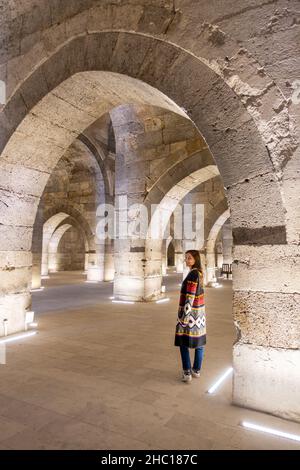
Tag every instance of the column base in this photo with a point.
(137, 289)
(267, 379)
(13, 308)
(94, 274)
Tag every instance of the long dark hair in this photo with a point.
(196, 255)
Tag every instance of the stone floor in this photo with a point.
(107, 376)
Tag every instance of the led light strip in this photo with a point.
(122, 302)
(221, 379)
(17, 337)
(274, 432)
(163, 300)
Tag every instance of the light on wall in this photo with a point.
(220, 380)
(274, 432)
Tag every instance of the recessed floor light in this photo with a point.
(274, 432)
(160, 301)
(17, 337)
(220, 380)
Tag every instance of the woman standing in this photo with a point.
(191, 324)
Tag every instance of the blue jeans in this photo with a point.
(185, 356)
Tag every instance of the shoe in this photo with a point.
(196, 373)
(186, 377)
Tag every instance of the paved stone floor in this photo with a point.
(107, 376)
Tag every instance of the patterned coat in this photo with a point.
(191, 326)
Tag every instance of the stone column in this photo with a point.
(15, 284)
(266, 306)
(86, 262)
(37, 247)
(219, 252)
(109, 261)
(95, 269)
(164, 258)
(210, 267)
(227, 243)
(36, 282)
(179, 256)
(137, 275)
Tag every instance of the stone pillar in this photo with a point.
(109, 262)
(219, 254)
(163, 266)
(179, 256)
(36, 282)
(227, 243)
(210, 267)
(219, 260)
(203, 266)
(36, 248)
(15, 283)
(137, 275)
(86, 262)
(266, 306)
(179, 261)
(164, 258)
(95, 269)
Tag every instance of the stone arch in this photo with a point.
(239, 150)
(69, 210)
(53, 248)
(99, 157)
(49, 228)
(227, 133)
(51, 219)
(53, 244)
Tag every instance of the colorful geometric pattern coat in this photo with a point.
(191, 325)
